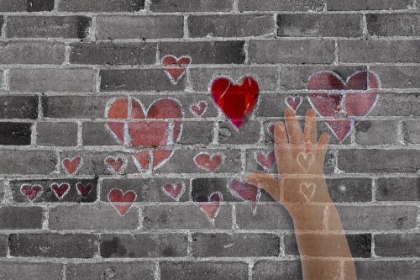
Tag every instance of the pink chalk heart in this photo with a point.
(72, 165)
(122, 202)
(245, 191)
(265, 160)
(61, 190)
(293, 102)
(199, 108)
(346, 102)
(117, 164)
(208, 162)
(31, 192)
(83, 190)
(235, 100)
(175, 67)
(211, 207)
(157, 130)
(174, 190)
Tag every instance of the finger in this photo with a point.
(310, 127)
(280, 137)
(294, 131)
(266, 182)
(322, 145)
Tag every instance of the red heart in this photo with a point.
(174, 190)
(207, 162)
(245, 191)
(175, 67)
(121, 201)
(31, 192)
(211, 207)
(61, 190)
(293, 102)
(84, 190)
(347, 102)
(144, 130)
(265, 160)
(117, 164)
(235, 100)
(199, 108)
(72, 165)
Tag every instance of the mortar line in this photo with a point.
(3, 29)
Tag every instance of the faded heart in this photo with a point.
(209, 162)
(121, 201)
(174, 190)
(83, 190)
(212, 205)
(116, 165)
(199, 108)
(265, 160)
(245, 191)
(293, 102)
(175, 67)
(31, 192)
(72, 165)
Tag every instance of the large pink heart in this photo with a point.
(346, 102)
(157, 129)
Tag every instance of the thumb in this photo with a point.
(265, 181)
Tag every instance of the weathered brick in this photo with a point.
(47, 194)
(357, 5)
(267, 269)
(148, 190)
(27, 162)
(1, 190)
(235, 245)
(376, 132)
(249, 133)
(26, 5)
(273, 5)
(100, 5)
(377, 217)
(97, 217)
(143, 27)
(1, 23)
(56, 134)
(394, 104)
(378, 161)
(230, 25)
(191, 6)
(157, 217)
(397, 245)
(3, 245)
(27, 52)
(401, 24)
(350, 189)
(48, 26)
(392, 76)
(52, 80)
(138, 80)
(53, 245)
(291, 51)
(19, 107)
(13, 270)
(20, 217)
(197, 133)
(113, 54)
(74, 106)
(203, 270)
(265, 217)
(386, 270)
(132, 270)
(412, 132)
(15, 133)
(143, 245)
(97, 134)
(319, 25)
(369, 51)
(398, 189)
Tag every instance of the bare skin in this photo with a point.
(303, 191)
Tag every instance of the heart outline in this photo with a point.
(68, 166)
(201, 110)
(293, 106)
(304, 162)
(177, 195)
(269, 157)
(56, 189)
(37, 194)
(308, 186)
(82, 193)
(210, 158)
(121, 168)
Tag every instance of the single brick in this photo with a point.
(203, 270)
(27, 162)
(397, 245)
(377, 217)
(357, 5)
(309, 51)
(404, 77)
(197, 133)
(249, 133)
(157, 217)
(138, 80)
(97, 217)
(274, 5)
(18, 107)
(148, 190)
(27, 52)
(100, 5)
(48, 26)
(206, 52)
(412, 132)
(15, 133)
(398, 189)
(350, 189)
(401, 24)
(53, 245)
(378, 161)
(203, 187)
(13, 270)
(143, 245)
(85, 193)
(230, 25)
(113, 54)
(191, 6)
(20, 217)
(52, 80)
(319, 25)
(394, 104)
(269, 216)
(90, 107)
(3, 245)
(132, 270)
(235, 245)
(376, 132)
(97, 134)
(56, 134)
(387, 270)
(143, 27)
(26, 5)
(268, 269)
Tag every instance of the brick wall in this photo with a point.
(86, 193)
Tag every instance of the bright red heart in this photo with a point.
(175, 67)
(235, 100)
(199, 108)
(211, 207)
(72, 165)
(61, 190)
(161, 126)
(31, 192)
(347, 102)
(265, 160)
(293, 102)
(121, 201)
(207, 162)
(116, 165)
(174, 190)
(245, 191)
(83, 190)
